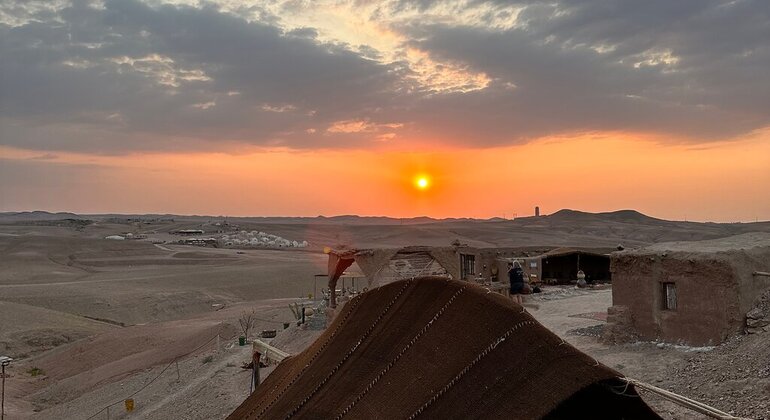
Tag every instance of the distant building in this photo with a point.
(129, 235)
(199, 241)
(537, 211)
(189, 232)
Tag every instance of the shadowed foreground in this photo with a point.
(436, 348)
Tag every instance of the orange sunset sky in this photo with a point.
(325, 108)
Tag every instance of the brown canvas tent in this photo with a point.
(437, 348)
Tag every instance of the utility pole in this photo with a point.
(4, 361)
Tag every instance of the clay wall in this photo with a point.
(526, 264)
(707, 309)
(372, 261)
(486, 260)
(750, 285)
(449, 259)
(498, 258)
(533, 268)
(383, 266)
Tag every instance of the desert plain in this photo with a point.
(91, 321)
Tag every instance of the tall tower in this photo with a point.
(537, 211)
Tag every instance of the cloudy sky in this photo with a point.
(291, 107)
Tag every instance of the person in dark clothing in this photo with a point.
(516, 277)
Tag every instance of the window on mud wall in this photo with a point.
(669, 296)
(468, 263)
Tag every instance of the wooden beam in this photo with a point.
(269, 352)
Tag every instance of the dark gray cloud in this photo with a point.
(127, 76)
(692, 68)
(143, 72)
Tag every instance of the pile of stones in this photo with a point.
(758, 318)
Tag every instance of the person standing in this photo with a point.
(516, 277)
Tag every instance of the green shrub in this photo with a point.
(35, 371)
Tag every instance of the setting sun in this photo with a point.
(422, 183)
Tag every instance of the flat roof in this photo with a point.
(730, 243)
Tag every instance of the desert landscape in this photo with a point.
(328, 209)
(91, 321)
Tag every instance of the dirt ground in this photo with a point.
(88, 313)
(213, 388)
(91, 321)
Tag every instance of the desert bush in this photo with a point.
(296, 310)
(247, 321)
(35, 371)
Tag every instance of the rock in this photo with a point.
(755, 313)
(757, 323)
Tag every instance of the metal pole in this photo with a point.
(2, 404)
(4, 361)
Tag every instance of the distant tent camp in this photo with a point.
(440, 349)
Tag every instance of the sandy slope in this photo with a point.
(84, 376)
(132, 282)
(26, 330)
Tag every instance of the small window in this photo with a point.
(669, 296)
(468, 263)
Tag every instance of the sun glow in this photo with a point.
(422, 182)
(668, 180)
